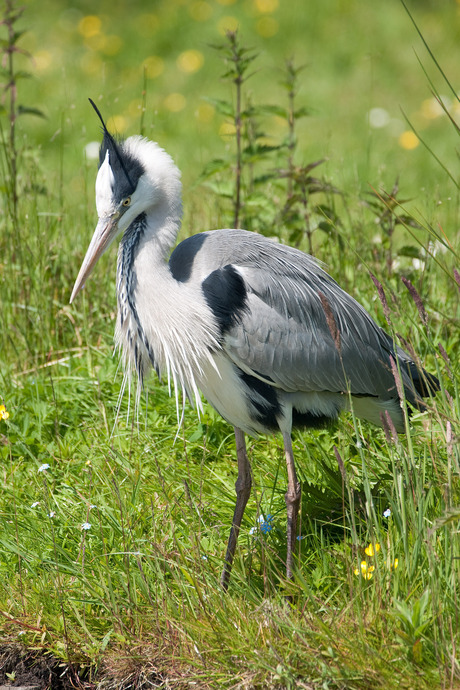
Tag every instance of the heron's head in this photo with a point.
(135, 175)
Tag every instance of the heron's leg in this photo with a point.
(243, 490)
(292, 498)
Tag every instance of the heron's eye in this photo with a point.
(127, 201)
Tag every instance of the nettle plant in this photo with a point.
(10, 108)
(260, 183)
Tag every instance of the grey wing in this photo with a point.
(303, 333)
(284, 320)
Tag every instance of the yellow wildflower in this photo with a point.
(372, 550)
(3, 412)
(365, 570)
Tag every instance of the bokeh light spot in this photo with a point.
(135, 107)
(378, 118)
(190, 61)
(432, 108)
(153, 66)
(227, 131)
(231, 2)
(266, 27)
(266, 6)
(205, 112)
(200, 11)
(175, 102)
(89, 25)
(92, 150)
(147, 24)
(112, 45)
(227, 24)
(96, 41)
(42, 60)
(408, 140)
(117, 124)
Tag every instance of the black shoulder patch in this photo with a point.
(225, 293)
(182, 258)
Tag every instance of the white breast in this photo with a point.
(171, 329)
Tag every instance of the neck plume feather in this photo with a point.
(162, 323)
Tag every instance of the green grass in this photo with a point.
(137, 594)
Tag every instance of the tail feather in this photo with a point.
(425, 384)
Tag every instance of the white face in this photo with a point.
(105, 182)
(125, 211)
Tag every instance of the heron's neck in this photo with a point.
(142, 273)
(156, 231)
(161, 321)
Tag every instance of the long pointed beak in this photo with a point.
(105, 233)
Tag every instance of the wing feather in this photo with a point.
(295, 328)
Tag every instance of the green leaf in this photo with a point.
(255, 152)
(24, 110)
(223, 189)
(213, 167)
(450, 516)
(222, 107)
(17, 35)
(273, 110)
(198, 433)
(21, 74)
(259, 200)
(325, 227)
(410, 251)
(301, 112)
(265, 177)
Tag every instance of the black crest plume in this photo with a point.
(112, 144)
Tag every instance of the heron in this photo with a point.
(258, 327)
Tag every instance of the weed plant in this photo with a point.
(113, 532)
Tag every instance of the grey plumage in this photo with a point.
(277, 329)
(260, 328)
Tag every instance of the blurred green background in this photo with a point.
(361, 71)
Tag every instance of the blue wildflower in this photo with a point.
(266, 525)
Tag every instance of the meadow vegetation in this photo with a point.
(329, 125)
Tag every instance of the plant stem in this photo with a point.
(11, 16)
(291, 73)
(238, 81)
